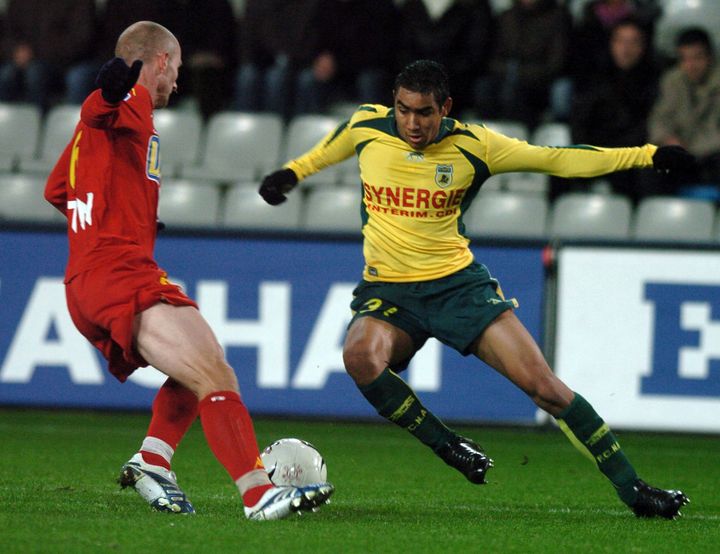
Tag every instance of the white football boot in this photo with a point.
(280, 502)
(157, 485)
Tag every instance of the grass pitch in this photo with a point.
(57, 493)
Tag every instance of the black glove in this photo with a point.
(276, 185)
(116, 79)
(673, 159)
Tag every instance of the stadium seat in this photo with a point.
(349, 171)
(513, 129)
(577, 8)
(245, 208)
(528, 183)
(304, 132)
(179, 133)
(680, 14)
(57, 130)
(552, 134)
(671, 219)
(19, 132)
(239, 146)
(238, 7)
(495, 183)
(333, 209)
(187, 204)
(507, 214)
(499, 6)
(343, 110)
(23, 200)
(591, 216)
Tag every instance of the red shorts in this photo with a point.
(103, 303)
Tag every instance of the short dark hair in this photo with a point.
(695, 36)
(425, 76)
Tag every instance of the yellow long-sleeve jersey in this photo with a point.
(413, 201)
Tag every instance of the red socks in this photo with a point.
(230, 435)
(174, 410)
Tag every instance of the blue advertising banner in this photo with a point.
(279, 307)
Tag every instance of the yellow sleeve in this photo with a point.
(334, 147)
(506, 154)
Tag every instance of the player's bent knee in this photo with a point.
(362, 365)
(213, 376)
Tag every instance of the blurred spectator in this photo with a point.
(456, 33)
(273, 39)
(687, 112)
(591, 34)
(47, 48)
(206, 31)
(118, 15)
(613, 111)
(351, 47)
(529, 54)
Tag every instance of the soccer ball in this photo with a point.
(294, 462)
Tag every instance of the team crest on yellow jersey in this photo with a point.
(443, 175)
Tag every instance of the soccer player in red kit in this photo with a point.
(107, 182)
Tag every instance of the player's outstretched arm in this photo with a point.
(101, 110)
(275, 186)
(115, 79)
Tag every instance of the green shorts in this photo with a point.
(455, 309)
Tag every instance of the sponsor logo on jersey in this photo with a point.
(412, 202)
(443, 175)
(415, 157)
(153, 159)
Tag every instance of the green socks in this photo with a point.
(395, 400)
(591, 435)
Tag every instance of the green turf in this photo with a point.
(57, 493)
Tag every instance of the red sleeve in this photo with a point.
(97, 113)
(56, 185)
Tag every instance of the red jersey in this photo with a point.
(107, 182)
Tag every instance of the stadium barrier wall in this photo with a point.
(279, 307)
(638, 331)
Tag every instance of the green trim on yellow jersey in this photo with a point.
(481, 174)
(383, 124)
(413, 202)
(340, 128)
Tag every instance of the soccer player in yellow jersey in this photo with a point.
(420, 171)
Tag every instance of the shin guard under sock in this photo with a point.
(229, 432)
(592, 436)
(174, 410)
(395, 401)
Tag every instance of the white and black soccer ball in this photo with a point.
(294, 462)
